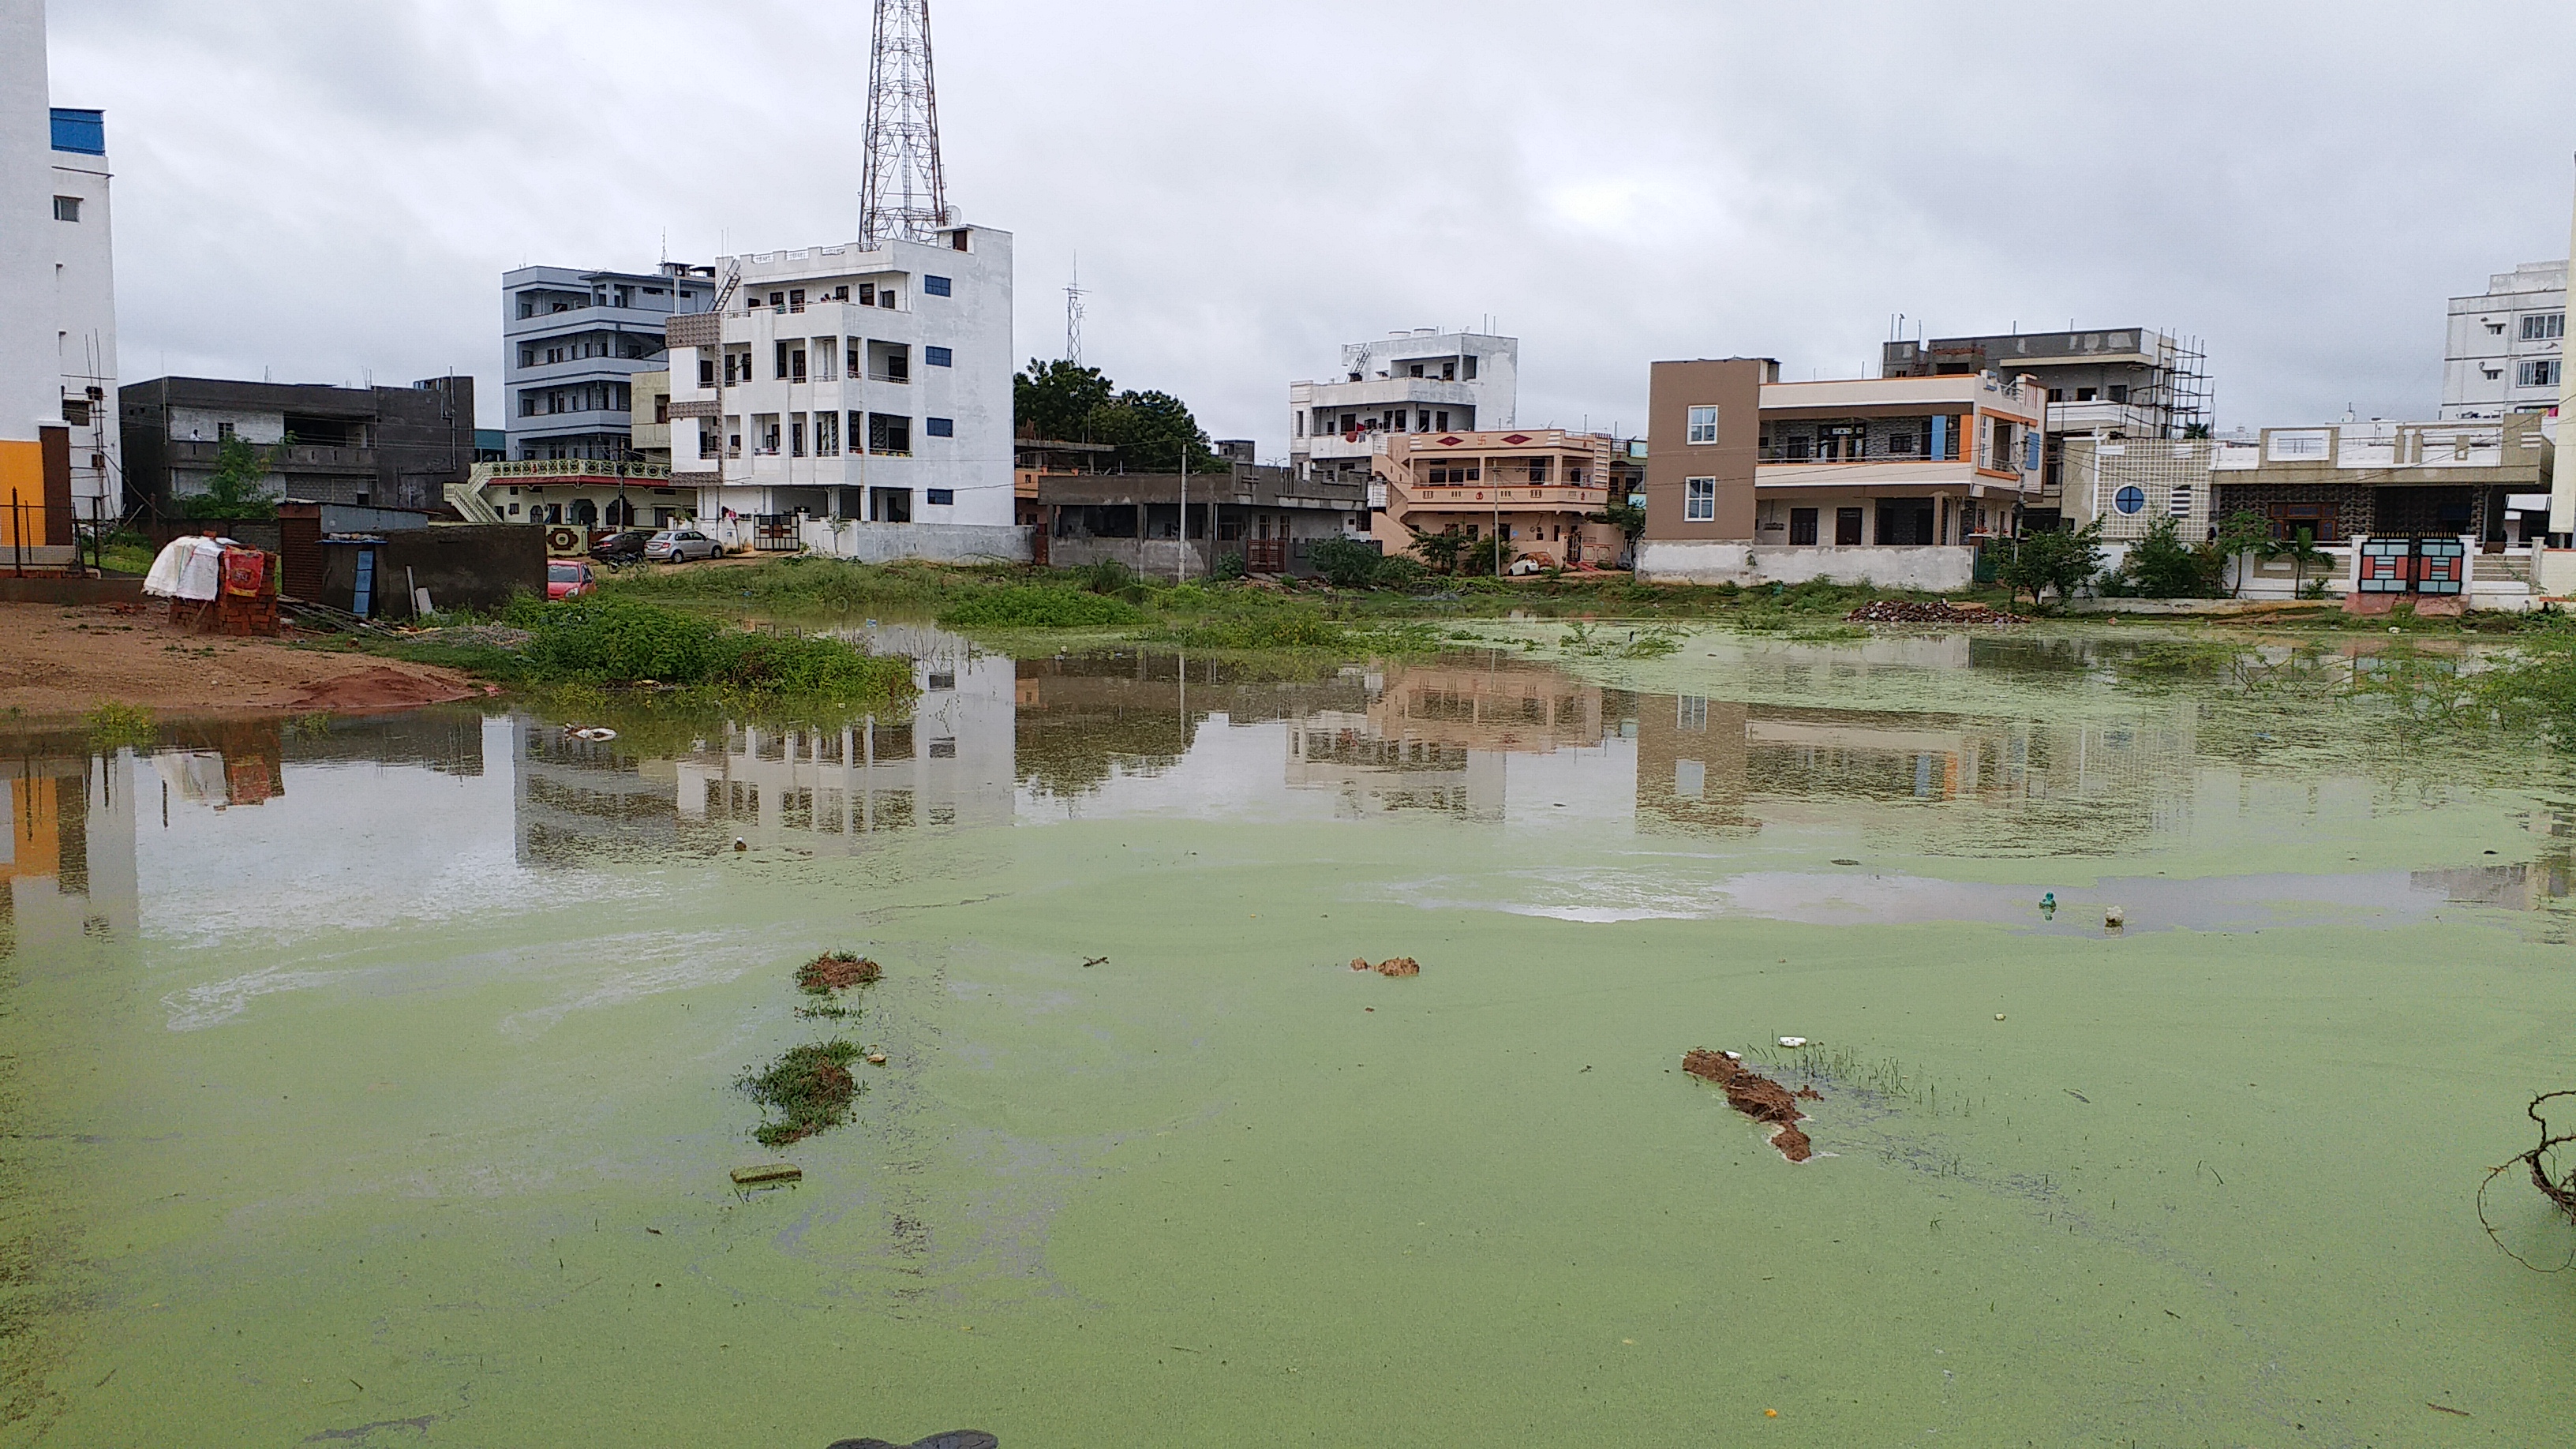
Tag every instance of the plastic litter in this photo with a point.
(767, 1172)
(1793, 1041)
(2113, 918)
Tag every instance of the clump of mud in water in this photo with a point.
(1397, 966)
(1757, 1097)
(809, 1087)
(836, 971)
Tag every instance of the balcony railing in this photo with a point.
(1878, 451)
(578, 468)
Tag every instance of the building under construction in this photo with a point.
(2112, 383)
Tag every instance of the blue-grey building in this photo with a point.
(571, 340)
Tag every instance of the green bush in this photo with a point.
(596, 640)
(1034, 606)
(1345, 563)
(1287, 627)
(2162, 566)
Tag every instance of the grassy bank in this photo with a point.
(617, 642)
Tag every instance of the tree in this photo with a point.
(1152, 431)
(2060, 560)
(237, 488)
(1055, 400)
(2241, 533)
(2162, 566)
(1490, 555)
(1439, 551)
(1345, 563)
(1626, 517)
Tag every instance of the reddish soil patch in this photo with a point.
(1757, 1097)
(836, 971)
(381, 687)
(59, 663)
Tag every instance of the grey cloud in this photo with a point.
(331, 187)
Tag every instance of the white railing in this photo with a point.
(575, 468)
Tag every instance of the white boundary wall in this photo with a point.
(937, 542)
(1930, 567)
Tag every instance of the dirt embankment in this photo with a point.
(1756, 1096)
(59, 663)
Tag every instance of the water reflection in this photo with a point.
(1483, 737)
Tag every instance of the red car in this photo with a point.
(568, 577)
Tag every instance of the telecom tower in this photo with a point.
(905, 194)
(1073, 310)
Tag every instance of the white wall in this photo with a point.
(886, 542)
(28, 377)
(85, 309)
(1930, 567)
(205, 425)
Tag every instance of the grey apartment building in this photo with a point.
(571, 344)
(389, 447)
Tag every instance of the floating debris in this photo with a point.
(1928, 611)
(772, 1172)
(1793, 1041)
(1399, 966)
(2113, 918)
(1757, 1097)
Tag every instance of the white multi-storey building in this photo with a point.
(853, 400)
(85, 309)
(1423, 381)
(2506, 344)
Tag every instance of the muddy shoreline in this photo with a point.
(59, 663)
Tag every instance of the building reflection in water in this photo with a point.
(68, 865)
(1474, 737)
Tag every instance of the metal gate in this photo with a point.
(775, 533)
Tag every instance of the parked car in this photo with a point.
(626, 547)
(567, 577)
(679, 545)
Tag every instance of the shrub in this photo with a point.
(810, 1087)
(1037, 606)
(596, 640)
(2162, 566)
(1346, 563)
(1289, 627)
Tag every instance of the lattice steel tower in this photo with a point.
(905, 194)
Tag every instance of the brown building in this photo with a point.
(1703, 438)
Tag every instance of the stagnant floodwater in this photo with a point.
(371, 1082)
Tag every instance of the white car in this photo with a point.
(679, 545)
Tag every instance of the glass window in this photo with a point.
(1703, 429)
(940, 427)
(935, 286)
(67, 208)
(2539, 327)
(942, 497)
(1699, 502)
(938, 357)
(2542, 373)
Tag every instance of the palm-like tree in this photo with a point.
(2300, 548)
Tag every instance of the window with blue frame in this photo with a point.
(940, 427)
(935, 286)
(938, 357)
(942, 497)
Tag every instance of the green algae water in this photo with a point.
(374, 1083)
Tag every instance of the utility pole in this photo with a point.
(1181, 570)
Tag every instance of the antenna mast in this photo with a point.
(1073, 296)
(905, 194)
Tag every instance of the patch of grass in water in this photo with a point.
(1036, 606)
(809, 1087)
(113, 726)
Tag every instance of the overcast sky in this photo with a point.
(328, 188)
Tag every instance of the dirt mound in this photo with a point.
(1757, 1097)
(382, 687)
(836, 971)
(1928, 611)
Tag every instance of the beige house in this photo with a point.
(1536, 488)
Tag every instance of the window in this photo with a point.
(1440, 421)
(662, 407)
(827, 351)
(778, 369)
(2087, 394)
(2540, 373)
(67, 208)
(1802, 525)
(2496, 328)
(2179, 504)
(1699, 501)
(867, 294)
(1690, 712)
(1471, 369)
(827, 435)
(1847, 527)
(2057, 394)
(940, 427)
(796, 436)
(796, 365)
(2119, 392)
(938, 357)
(935, 286)
(942, 497)
(1703, 429)
(2539, 327)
